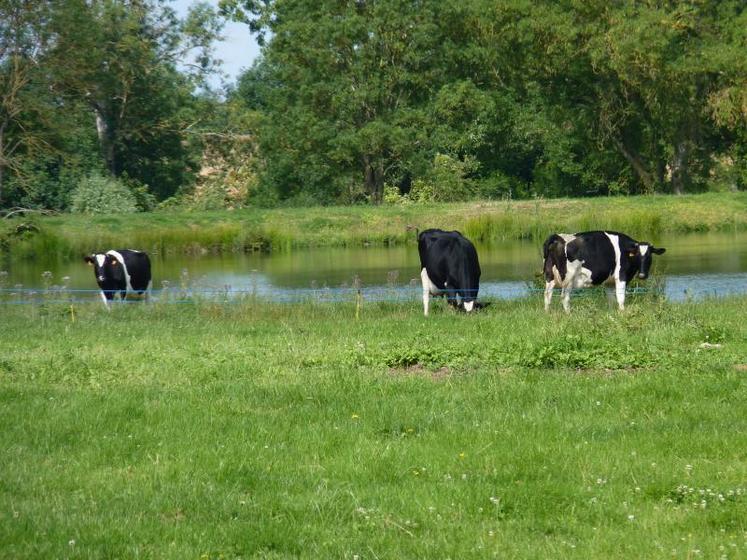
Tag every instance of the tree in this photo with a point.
(348, 83)
(658, 65)
(22, 39)
(119, 58)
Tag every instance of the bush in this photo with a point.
(393, 196)
(422, 191)
(449, 177)
(97, 194)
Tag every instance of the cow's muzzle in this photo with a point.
(101, 278)
(642, 276)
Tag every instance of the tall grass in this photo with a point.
(285, 229)
(278, 431)
(545, 219)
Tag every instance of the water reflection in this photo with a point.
(694, 266)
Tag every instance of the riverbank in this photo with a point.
(255, 430)
(68, 236)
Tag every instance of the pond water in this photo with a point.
(694, 265)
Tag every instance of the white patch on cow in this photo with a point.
(576, 276)
(119, 257)
(567, 237)
(106, 301)
(556, 275)
(615, 240)
(468, 306)
(428, 288)
(100, 259)
(644, 249)
(619, 284)
(428, 284)
(585, 278)
(548, 291)
(582, 278)
(620, 294)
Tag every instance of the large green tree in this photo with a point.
(655, 71)
(119, 58)
(100, 85)
(22, 42)
(347, 85)
(527, 97)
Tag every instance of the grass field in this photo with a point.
(69, 236)
(298, 431)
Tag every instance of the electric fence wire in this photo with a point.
(229, 295)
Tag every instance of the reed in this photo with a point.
(285, 229)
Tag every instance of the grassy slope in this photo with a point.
(281, 229)
(297, 431)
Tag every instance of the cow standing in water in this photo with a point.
(449, 265)
(591, 258)
(123, 271)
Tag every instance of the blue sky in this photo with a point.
(237, 50)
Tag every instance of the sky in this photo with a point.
(237, 50)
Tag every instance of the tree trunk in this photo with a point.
(373, 179)
(105, 133)
(645, 176)
(680, 175)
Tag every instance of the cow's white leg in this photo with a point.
(469, 306)
(566, 295)
(620, 294)
(426, 290)
(106, 301)
(572, 268)
(548, 293)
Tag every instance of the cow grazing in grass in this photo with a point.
(449, 266)
(123, 271)
(591, 258)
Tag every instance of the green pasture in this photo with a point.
(288, 228)
(257, 430)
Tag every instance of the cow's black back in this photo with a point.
(451, 261)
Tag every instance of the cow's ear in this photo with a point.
(113, 260)
(658, 251)
(88, 259)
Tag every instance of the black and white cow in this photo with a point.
(123, 271)
(591, 258)
(449, 266)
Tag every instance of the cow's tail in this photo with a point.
(552, 250)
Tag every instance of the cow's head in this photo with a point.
(107, 268)
(643, 254)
